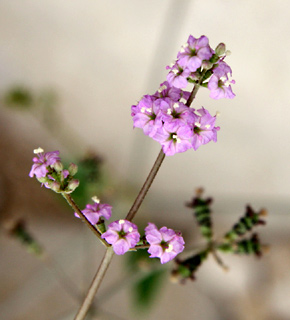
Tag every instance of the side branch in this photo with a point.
(71, 202)
(146, 186)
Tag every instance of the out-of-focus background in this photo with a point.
(75, 68)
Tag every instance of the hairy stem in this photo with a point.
(140, 197)
(71, 202)
(83, 310)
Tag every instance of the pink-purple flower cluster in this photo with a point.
(174, 125)
(165, 243)
(48, 170)
(197, 57)
(165, 117)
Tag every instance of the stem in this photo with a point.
(140, 197)
(83, 310)
(195, 89)
(71, 202)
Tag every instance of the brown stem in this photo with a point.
(83, 310)
(140, 197)
(71, 202)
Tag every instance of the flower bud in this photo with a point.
(72, 185)
(73, 169)
(55, 186)
(58, 166)
(220, 49)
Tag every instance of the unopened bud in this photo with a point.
(207, 64)
(73, 169)
(55, 186)
(220, 49)
(58, 166)
(72, 185)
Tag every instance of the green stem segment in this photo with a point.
(71, 202)
(83, 310)
(137, 203)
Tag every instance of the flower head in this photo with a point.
(122, 235)
(194, 52)
(94, 212)
(165, 243)
(42, 162)
(220, 83)
(204, 130)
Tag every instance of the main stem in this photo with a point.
(83, 310)
(137, 203)
(131, 214)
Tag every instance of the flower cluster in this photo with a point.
(166, 115)
(48, 170)
(165, 243)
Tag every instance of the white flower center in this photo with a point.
(169, 111)
(207, 126)
(130, 229)
(38, 150)
(197, 124)
(176, 105)
(96, 199)
(121, 221)
(174, 136)
(170, 248)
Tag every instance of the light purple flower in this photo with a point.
(220, 83)
(177, 76)
(168, 91)
(204, 130)
(175, 114)
(42, 162)
(122, 235)
(146, 115)
(94, 212)
(165, 243)
(194, 52)
(175, 139)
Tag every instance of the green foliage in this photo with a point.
(234, 241)
(150, 277)
(18, 230)
(202, 213)
(18, 97)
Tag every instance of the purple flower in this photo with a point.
(42, 162)
(94, 212)
(220, 84)
(165, 243)
(122, 235)
(204, 130)
(167, 91)
(194, 52)
(176, 114)
(177, 77)
(146, 115)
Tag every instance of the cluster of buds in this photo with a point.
(166, 115)
(49, 171)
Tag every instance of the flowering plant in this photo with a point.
(168, 118)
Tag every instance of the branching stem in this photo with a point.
(75, 207)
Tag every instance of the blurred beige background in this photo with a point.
(100, 57)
